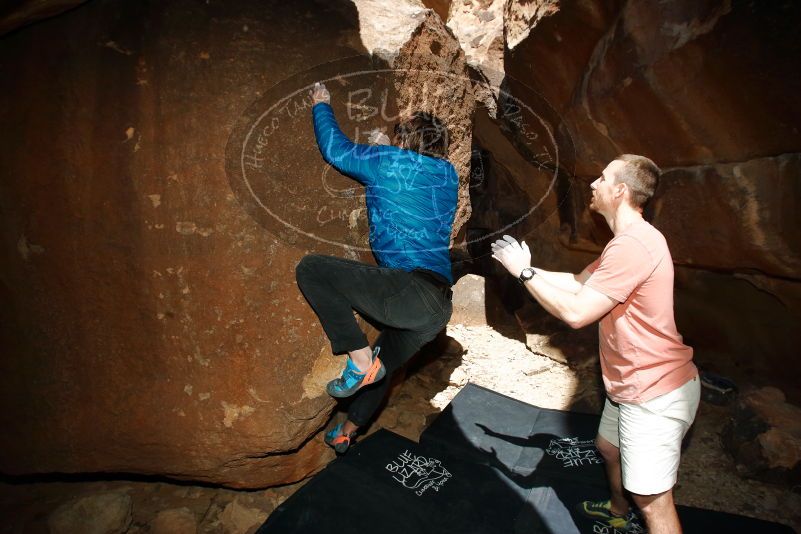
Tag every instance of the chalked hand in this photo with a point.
(377, 137)
(320, 94)
(511, 254)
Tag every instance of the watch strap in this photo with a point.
(526, 274)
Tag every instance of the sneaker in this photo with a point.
(352, 379)
(602, 511)
(336, 439)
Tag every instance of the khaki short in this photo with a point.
(649, 436)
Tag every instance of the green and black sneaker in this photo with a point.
(602, 511)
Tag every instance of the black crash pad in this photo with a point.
(487, 464)
(387, 484)
(526, 440)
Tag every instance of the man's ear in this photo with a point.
(621, 189)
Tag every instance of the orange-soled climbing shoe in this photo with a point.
(352, 379)
(337, 439)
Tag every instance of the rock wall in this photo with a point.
(687, 82)
(19, 13)
(431, 75)
(706, 89)
(150, 325)
(160, 183)
(764, 436)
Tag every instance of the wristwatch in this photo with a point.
(526, 274)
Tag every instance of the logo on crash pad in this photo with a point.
(418, 473)
(574, 452)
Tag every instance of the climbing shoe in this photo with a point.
(352, 379)
(602, 511)
(337, 439)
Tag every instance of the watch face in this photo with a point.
(527, 274)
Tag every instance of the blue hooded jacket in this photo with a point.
(411, 198)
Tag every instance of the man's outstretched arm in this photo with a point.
(354, 160)
(577, 309)
(569, 282)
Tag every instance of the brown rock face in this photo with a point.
(469, 300)
(150, 321)
(764, 437)
(683, 82)
(440, 7)
(431, 75)
(708, 90)
(161, 181)
(748, 215)
(21, 12)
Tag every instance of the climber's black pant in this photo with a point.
(410, 307)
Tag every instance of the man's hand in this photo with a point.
(513, 256)
(377, 137)
(320, 94)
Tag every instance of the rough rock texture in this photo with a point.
(764, 436)
(468, 301)
(552, 57)
(241, 519)
(431, 75)
(521, 17)
(478, 25)
(174, 521)
(154, 508)
(150, 324)
(685, 82)
(102, 513)
(548, 336)
(744, 328)
(511, 190)
(386, 26)
(19, 13)
(150, 317)
(440, 7)
(708, 90)
(748, 214)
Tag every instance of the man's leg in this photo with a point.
(619, 505)
(612, 512)
(659, 512)
(650, 439)
(334, 287)
(398, 345)
(608, 444)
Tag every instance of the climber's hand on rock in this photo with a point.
(377, 137)
(320, 94)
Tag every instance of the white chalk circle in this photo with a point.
(280, 178)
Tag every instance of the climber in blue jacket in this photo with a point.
(411, 196)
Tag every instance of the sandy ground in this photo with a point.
(477, 354)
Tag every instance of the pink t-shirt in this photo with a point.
(642, 354)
